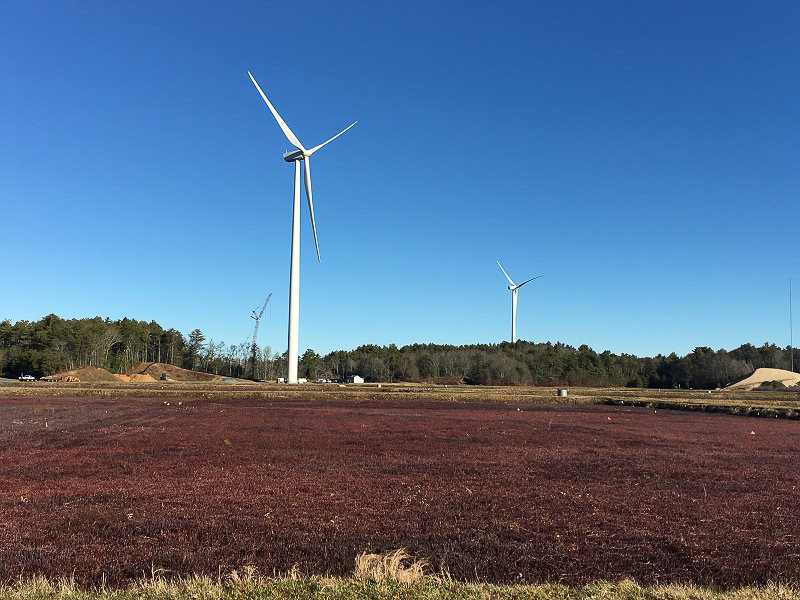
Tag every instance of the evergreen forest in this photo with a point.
(53, 345)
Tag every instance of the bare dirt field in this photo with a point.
(108, 488)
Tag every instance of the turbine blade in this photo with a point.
(315, 148)
(529, 280)
(286, 131)
(504, 273)
(307, 173)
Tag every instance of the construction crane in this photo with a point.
(257, 317)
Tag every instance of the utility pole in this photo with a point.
(791, 340)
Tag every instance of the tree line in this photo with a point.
(52, 344)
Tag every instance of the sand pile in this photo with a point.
(759, 376)
(141, 378)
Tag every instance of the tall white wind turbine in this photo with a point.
(301, 154)
(514, 289)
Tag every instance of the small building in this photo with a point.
(354, 379)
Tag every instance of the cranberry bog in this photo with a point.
(110, 487)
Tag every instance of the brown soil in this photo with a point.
(155, 370)
(109, 489)
(141, 377)
(89, 374)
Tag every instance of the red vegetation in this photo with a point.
(108, 489)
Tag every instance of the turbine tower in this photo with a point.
(296, 156)
(514, 289)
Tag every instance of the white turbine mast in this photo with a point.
(514, 290)
(297, 156)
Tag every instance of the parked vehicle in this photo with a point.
(27, 378)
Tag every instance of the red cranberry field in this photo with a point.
(110, 489)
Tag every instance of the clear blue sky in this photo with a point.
(644, 157)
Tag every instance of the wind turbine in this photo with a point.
(296, 156)
(514, 289)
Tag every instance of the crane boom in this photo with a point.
(257, 317)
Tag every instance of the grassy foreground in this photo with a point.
(392, 576)
(304, 588)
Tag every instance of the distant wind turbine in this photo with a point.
(296, 156)
(514, 289)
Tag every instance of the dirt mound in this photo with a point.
(141, 377)
(88, 374)
(759, 376)
(155, 370)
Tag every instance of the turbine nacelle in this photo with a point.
(293, 156)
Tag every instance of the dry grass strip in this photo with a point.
(396, 575)
(397, 565)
